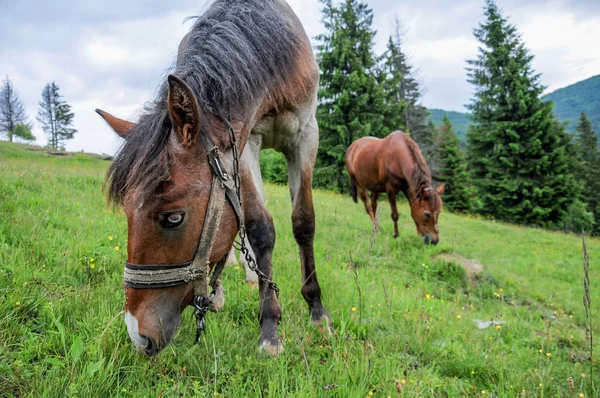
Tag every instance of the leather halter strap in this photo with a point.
(146, 276)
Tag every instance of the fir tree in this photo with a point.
(391, 76)
(518, 153)
(453, 169)
(56, 116)
(12, 112)
(588, 172)
(350, 100)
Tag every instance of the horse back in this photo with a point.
(378, 163)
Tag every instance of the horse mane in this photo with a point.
(421, 177)
(236, 52)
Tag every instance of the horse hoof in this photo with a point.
(269, 348)
(396, 235)
(218, 301)
(324, 325)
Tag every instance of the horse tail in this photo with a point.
(353, 190)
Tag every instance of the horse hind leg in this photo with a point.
(301, 162)
(392, 198)
(362, 193)
(374, 199)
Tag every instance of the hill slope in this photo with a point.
(398, 313)
(460, 121)
(570, 101)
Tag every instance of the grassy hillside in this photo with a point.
(411, 326)
(570, 101)
(460, 121)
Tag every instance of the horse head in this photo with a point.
(162, 178)
(425, 210)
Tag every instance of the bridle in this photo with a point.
(223, 186)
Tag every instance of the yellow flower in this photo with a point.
(92, 266)
(370, 393)
(428, 296)
(18, 303)
(583, 375)
(541, 385)
(117, 248)
(458, 317)
(581, 395)
(236, 267)
(548, 354)
(482, 392)
(91, 260)
(110, 238)
(353, 309)
(472, 372)
(498, 327)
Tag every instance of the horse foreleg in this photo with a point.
(301, 162)
(392, 198)
(374, 198)
(261, 236)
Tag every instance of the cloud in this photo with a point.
(114, 54)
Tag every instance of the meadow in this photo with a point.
(405, 324)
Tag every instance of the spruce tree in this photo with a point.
(350, 99)
(453, 169)
(391, 76)
(588, 172)
(518, 153)
(56, 116)
(12, 112)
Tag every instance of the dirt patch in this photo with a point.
(473, 268)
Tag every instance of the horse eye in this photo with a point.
(172, 220)
(428, 214)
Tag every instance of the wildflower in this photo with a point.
(92, 260)
(236, 267)
(124, 389)
(110, 238)
(458, 317)
(116, 248)
(472, 372)
(353, 309)
(18, 303)
(92, 266)
(428, 296)
(482, 392)
(583, 375)
(581, 395)
(541, 385)
(498, 327)
(548, 354)
(370, 393)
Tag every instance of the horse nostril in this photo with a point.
(151, 347)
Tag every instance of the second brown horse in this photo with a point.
(391, 165)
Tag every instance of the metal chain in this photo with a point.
(242, 245)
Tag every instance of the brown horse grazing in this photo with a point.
(390, 165)
(245, 73)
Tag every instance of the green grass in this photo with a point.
(62, 333)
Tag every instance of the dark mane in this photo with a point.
(234, 54)
(421, 176)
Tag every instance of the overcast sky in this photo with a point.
(114, 54)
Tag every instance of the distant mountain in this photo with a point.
(569, 102)
(460, 121)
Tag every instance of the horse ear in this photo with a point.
(441, 188)
(120, 126)
(183, 110)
